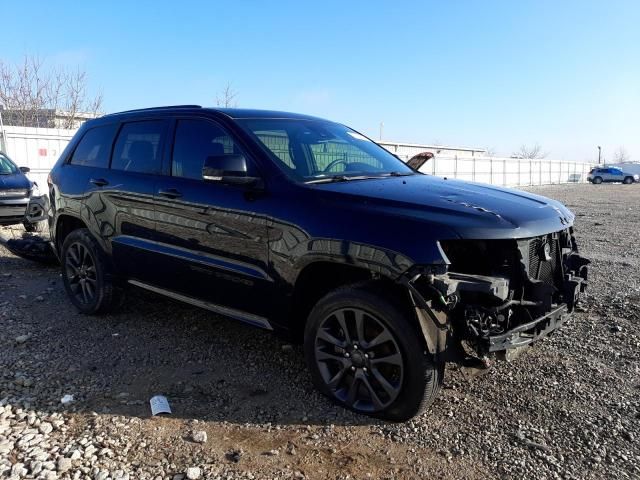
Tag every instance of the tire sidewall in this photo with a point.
(83, 237)
(416, 366)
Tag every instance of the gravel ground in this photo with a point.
(243, 405)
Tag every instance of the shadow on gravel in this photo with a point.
(209, 367)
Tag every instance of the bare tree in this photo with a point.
(490, 152)
(530, 152)
(32, 94)
(227, 98)
(621, 155)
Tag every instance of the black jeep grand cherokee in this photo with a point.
(304, 226)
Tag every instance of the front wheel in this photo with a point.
(597, 180)
(365, 354)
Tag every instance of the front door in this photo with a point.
(212, 236)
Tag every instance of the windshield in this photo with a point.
(314, 150)
(7, 167)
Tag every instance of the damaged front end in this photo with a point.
(497, 295)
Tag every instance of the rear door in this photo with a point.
(119, 200)
(212, 236)
(89, 160)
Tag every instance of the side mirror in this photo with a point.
(228, 169)
(25, 169)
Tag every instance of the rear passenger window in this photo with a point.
(138, 148)
(195, 140)
(95, 147)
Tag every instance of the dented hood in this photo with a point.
(471, 210)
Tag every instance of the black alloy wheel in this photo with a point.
(359, 359)
(365, 351)
(81, 273)
(86, 273)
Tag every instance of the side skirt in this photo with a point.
(246, 317)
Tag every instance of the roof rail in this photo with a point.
(158, 108)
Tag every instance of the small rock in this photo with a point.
(39, 298)
(615, 328)
(22, 339)
(64, 464)
(272, 453)
(287, 348)
(199, 436)
(45, 428)
(193, 473)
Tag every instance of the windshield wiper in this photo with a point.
(399, 174)
(332, 178)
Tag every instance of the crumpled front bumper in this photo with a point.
(36, 210)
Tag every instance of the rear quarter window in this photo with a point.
(94, 148)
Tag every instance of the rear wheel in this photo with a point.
(365, 355)
(597, 180)
(627, 180)
(86, 273)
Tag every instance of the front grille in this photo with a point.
(539, 267)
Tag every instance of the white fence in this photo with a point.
(36, 148)
(39, 148)
(510, 172)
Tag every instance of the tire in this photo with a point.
(83, 261)
(37, 227)
(597, 180)
(627, 180)
(338, 361)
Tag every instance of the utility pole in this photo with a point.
(381, 130)
(599, 154)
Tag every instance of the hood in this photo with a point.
(471, 210)
(15, 180)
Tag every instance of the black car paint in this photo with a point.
(245, 247)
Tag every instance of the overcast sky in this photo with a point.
(473, 73)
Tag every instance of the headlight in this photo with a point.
(14, 192)
(35, 191)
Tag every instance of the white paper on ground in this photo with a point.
(159, 404)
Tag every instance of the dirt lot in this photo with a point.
(567, 408)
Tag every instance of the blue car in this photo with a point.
(20, 201)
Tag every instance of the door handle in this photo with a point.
(170, 193)
(99, 182)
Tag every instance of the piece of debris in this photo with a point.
(34, 248)
(39, 298)
(199, 436)
(287, 348)
(66, 399)
(193, 473)
(615, 328)
(22, 339)
(159, 404)
(234, 456)
(291, 448)
(272, 453)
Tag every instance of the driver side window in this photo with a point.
(196, 140)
